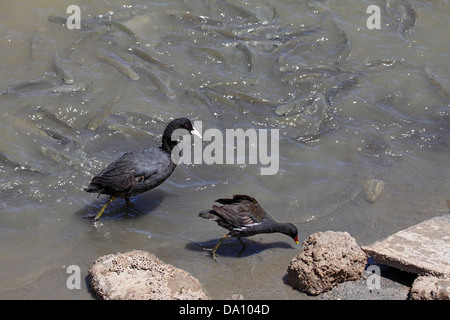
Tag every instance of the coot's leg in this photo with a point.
(132, 206)
(111, 199)
(129, 203)
(213, 251)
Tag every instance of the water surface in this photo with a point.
(386, 116)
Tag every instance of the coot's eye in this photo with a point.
(186, 126)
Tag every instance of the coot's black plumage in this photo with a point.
(243, 217)
(139, 171)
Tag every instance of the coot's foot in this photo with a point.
(111, 199)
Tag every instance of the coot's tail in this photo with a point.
(93, 188)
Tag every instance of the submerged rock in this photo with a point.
(327, 258)
(139, 275)
(373, 189)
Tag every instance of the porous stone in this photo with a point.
(430, 288)
(140, 275)
(327, 258)
(423, 248)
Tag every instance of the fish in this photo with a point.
(199, 96)
(66, 88)
(129, 131)
(37, 36)
(149, 58)
(387, 62)
(436, 83)
(343, 48)
(294, 106)
(193, 17)
(118, 63)
(347, 84)
(125, 13)
(286, 121)
(89, 35)
(241, 83)
(28, 126)
(36, 84)
(209, 51)
(250, 56)
(102, 114)
(289, 33)
(297, 74)
(58, 20)
(223, 100)
(318, 111)
(160, 84)
(250, 98)
(85, 24)
(61, 72)
(54, 117)
(128, 57)
(58, 136)
(119, 26)
(224, 32)
(246, 13)
(408, 18)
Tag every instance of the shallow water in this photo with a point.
(388, 117)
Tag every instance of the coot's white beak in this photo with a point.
(195, 132)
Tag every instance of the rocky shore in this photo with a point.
(411, 264)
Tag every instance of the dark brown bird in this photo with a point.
(244, 217)
(139, 171)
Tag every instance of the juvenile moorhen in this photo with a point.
(243, 217)
(139, 171)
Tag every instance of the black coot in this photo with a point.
(139, 171)
(243, 217)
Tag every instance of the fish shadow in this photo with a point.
(143, 204)
(233, 248)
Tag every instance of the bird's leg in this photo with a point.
(244, 246)
(132, 206)
(129, 203)
(213, 251)
(111, 199)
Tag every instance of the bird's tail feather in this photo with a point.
(207, 214)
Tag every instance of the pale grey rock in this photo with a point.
(423, 248)
(140, 275)
(430, 288)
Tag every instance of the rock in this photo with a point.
(373, 189)
(430, 288)
(327, 258)
(139, 275)
(423, 248)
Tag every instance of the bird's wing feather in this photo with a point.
(236, 216)
(123, 172)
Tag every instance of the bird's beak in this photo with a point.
(296, 240)
(195, 132)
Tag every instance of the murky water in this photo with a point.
(381, 111)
